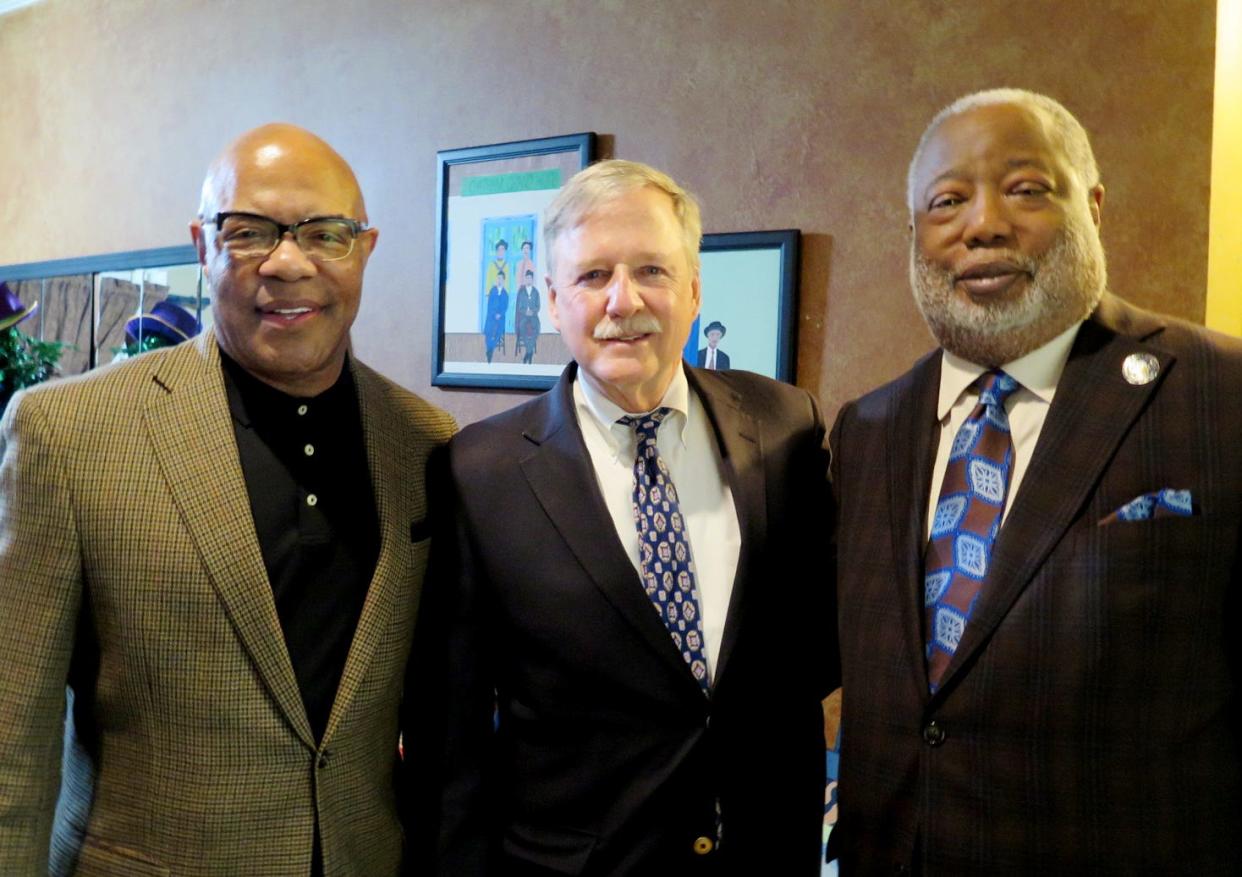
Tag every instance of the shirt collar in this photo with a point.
(596, 408)
(1038, 371)
(250, 399)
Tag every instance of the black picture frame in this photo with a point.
(487, 196)
(750, 287)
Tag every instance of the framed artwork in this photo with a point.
(748, 316)
(490, 321)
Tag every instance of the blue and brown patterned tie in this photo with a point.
(664, 546)
(968, 516)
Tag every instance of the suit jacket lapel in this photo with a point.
(386, 449)
(1092, 411)
(911, 443)
(741, 450)
(560, 474)
(191, 431)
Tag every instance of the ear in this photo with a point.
(368, 239)
(552, 311)
(200, 242)
(1095, 202)
(696, 293)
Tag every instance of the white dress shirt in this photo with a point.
(1027, 407)
(688, 447)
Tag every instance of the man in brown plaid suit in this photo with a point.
(1088, 717)
(218, 548)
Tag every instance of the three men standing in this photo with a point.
(219, 548)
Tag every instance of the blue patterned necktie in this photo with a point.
(664, 546)
(968, 516)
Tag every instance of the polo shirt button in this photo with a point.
(309, 450)
(933, 734)
(312, 500)
(703, 846)
(302, 409)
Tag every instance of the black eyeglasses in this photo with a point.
(251, 236)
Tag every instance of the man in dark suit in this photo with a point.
(711, 356)
(642, 622)
(1038, 542)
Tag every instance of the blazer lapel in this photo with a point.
(741, 450)
(560, 474)
(386, 448)
(191, 431)
(1092, 411)
(911, 443)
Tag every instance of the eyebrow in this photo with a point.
(1010, 164)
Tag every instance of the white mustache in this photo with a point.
(639, 324)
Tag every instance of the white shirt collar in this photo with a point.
(1038, 371)
(601, 411)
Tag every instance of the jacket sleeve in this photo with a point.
(450, 703)
(40, 592)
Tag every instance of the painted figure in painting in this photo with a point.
(497, 308)
(526, 308)
(712, 357)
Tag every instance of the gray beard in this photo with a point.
(1067, 283)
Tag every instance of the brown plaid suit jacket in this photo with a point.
(129, 568)
(1089, 722)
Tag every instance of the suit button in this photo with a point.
(703, 846)
(933, 734)
(323, 760)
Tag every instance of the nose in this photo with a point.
(623, 297)
(287, 261)
(987, 222)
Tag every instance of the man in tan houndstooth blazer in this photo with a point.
(136, 569)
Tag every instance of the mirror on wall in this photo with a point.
(88, 302)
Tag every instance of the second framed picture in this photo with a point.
(491, 324)
(750, 302)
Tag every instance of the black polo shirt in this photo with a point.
(305, 465)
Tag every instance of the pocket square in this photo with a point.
(1157, 504)
(419, 530)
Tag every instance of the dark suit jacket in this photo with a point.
(722, 359)
(1089, 722)
(608, 759)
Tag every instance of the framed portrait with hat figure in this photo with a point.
(750, 290)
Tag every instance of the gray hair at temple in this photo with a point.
(1064, 130)
(603, 181)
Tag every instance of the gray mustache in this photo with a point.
(639, 324)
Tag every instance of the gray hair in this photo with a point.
(1066, 131)
(605, 180)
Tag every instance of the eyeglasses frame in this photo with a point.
(291, 228)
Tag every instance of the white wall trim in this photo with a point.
(7, 6)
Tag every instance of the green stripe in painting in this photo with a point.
(525, 181)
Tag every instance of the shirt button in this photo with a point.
(933, 734)
(309, 450)
(311, 499)
(703, 846)
(302, 409)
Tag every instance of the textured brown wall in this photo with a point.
(778, 114)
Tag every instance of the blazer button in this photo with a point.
(933, 734)
(323, 760)
(703, 846)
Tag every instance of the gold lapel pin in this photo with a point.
(1140, 368)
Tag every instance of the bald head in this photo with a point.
(277, 154)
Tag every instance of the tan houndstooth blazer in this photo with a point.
(129, 568)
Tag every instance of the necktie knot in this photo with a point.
(995, 387)
(646, 425)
